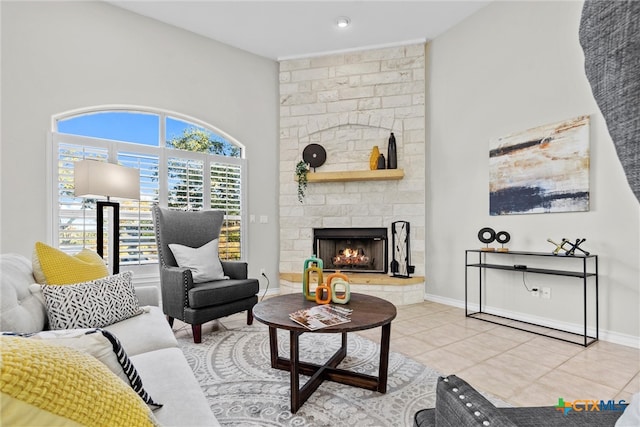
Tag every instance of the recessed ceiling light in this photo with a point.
(343, 22)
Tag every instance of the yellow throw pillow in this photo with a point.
(67, 383)
(51, 266)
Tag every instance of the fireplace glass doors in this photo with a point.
(362, 250)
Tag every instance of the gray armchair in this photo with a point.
(197, 303)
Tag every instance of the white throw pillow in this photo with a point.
(631, 415)
(203, 262)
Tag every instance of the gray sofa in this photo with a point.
(147, 339)
(458, 404)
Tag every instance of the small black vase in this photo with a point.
(392, 155)
(381, 162)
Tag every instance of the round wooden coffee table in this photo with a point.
(368, 312)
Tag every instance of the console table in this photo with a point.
(587, 271)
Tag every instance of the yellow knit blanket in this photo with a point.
(66, 383)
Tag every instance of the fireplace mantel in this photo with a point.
(364, 278)
(347, 176)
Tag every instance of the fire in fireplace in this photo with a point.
(352, 249)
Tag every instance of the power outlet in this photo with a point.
(262, 272)
(535, 293)
(546, 293)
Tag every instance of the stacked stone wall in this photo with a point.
(348, 103)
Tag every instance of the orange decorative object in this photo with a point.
(306, 285)
(323, 294)
(336, 280)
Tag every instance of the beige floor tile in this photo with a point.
(573, 387)
(411, 326)
(493, 379)
(444, 361)
(492, 341)
(557, 346)
(471, 351)
(537, 354)
(602, 367)
(634, 385)
(410, 346)
(443, 335)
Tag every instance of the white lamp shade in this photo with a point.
(95, 179)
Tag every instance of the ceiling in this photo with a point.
(292, 29)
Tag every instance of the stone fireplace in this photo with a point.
(349, 103)
(357, 250)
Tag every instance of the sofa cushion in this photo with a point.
(203, 262)
(20, 311)
(102, 345)
(54, 267)
(91, 304)
(68, 383)
(146, 332)
(168, 377)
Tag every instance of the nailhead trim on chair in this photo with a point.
(162, 262)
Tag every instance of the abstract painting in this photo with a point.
(540, 170)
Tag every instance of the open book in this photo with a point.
(321, 316)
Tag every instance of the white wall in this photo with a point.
(59, 56)
(510, 67)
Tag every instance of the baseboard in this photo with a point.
(605, 335)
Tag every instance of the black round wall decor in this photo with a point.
(314, 155)
(503, 237)
(486, 235)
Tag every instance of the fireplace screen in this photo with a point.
(352, 249)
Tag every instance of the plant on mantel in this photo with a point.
(301, 176)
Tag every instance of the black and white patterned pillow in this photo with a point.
(93, 304)
(104, 346)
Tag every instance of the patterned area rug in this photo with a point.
(233, 367)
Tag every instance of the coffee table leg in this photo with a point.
(273, 346)
(294, 358)
(384, 358)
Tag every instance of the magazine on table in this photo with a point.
(321, 316)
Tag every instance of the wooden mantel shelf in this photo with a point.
(347, 176)
(363, 279)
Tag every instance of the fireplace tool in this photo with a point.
(400, 265)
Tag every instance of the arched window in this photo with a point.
(184, 164)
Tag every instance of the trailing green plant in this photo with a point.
(301, 176)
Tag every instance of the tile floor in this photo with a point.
(521, 368)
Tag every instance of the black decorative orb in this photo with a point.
(314, 155)
(486, 235)
(503, 237)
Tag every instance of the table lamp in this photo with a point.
(95, 179)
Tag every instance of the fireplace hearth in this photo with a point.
(363, 250)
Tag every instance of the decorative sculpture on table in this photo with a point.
(340, 288)
(568, 247)
(487, 235)
(311, 265)
(323, 294)
(502, 237)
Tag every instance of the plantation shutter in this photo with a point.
(185, 183)
(226, 195)
(76, 216)
(137, 238)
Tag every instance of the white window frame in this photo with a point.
(149, 272)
